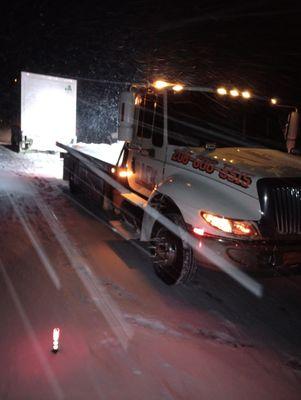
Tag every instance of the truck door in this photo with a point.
(147, 152)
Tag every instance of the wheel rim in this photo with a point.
(165, 249)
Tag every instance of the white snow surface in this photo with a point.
(102, 151)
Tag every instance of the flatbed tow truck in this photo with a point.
(207, 177)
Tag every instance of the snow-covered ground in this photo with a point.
(124, 334)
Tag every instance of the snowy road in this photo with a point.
(124, 334)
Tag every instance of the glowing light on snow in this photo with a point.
(55, 337)
(161, 84)
(274, 101)
(222, 91)
(178, 88)
(234, 92)
(246, 94)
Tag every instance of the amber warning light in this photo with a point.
(124, 173)
(160, 84)
(55, 338)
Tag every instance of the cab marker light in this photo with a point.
(246, 94)
(178, 88)
(55, 339)
(160, 84)
(222, 91)
(234, 92)
(113, 170)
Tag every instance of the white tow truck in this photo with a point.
(215, 162)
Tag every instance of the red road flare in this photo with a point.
(55, 336)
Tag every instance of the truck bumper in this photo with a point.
(259, 255)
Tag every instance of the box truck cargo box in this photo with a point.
(48, 110)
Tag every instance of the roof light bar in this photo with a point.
(234, 92)
(246, 94)
(161, 84)
(178, 87)
(222, 91)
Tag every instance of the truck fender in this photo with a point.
(190, 194)
(156, 200)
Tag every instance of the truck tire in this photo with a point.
(173, 259)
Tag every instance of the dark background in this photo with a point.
(252, 44)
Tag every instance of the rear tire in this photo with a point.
(174, 261)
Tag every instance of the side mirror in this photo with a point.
(126, 116)
(292, 132)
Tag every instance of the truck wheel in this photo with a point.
(173, 259)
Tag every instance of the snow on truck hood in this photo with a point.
(240, 167)
(260, 162)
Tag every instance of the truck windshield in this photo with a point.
(197, 118)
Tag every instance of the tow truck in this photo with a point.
(220, 163)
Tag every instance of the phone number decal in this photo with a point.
(226, 172)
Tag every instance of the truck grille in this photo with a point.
(280, 202)
(287, 209)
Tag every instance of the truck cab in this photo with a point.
(147, 150)
(215, 162)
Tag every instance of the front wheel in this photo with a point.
(173, 258)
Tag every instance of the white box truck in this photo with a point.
(48, 110)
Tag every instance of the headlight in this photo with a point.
(234, 227)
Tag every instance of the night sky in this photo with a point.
(254, 45)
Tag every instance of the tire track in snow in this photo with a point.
(186, 331)
(35, 243)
